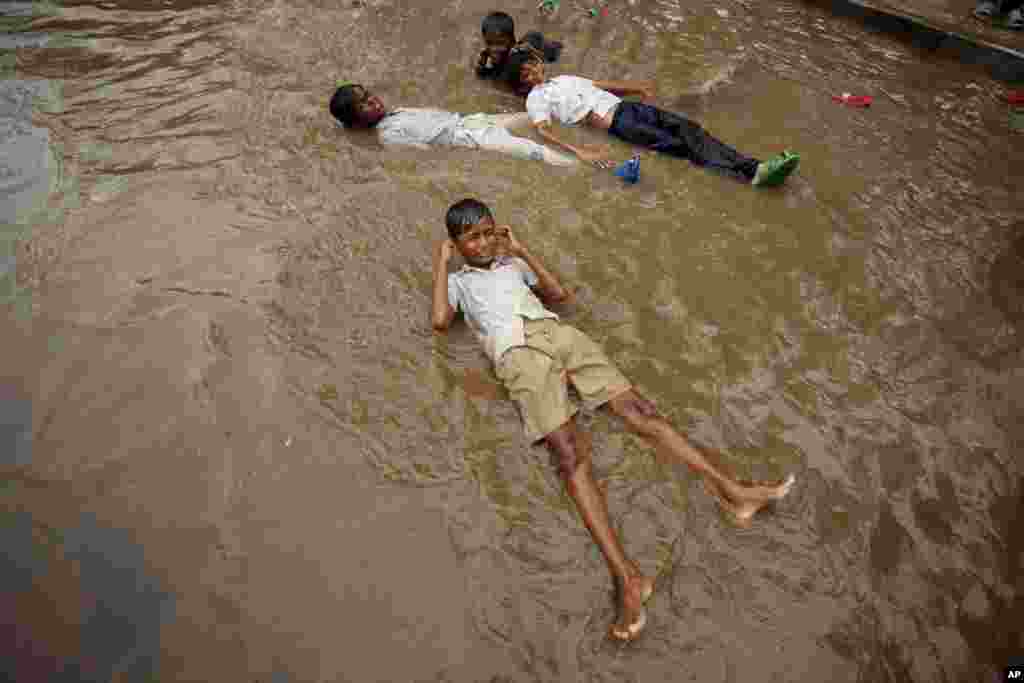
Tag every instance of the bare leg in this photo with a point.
(509, 121)
(743, 501)
(573, 455)
(522, 120)
(498, 139)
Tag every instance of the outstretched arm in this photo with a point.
(442, 313)
(595, 156)
(645, 89)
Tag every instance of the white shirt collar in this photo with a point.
(497, 262)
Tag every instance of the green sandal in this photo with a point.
(774, 171)
(550, 6)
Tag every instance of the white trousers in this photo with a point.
(491, 132)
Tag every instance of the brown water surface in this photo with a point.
(220, 368)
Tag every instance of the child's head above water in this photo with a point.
(356, 107)
(499, 33)
(524, 69)
(498, 28)
(471, 227)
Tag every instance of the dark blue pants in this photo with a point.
(1005, 6)
(663, 131)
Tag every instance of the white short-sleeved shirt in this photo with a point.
(495, 301)
(419, 127)
(568, 99)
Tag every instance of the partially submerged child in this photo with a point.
(536, 356)
(1013, 9)
(572, 100)
(499, 33)
(356, 107)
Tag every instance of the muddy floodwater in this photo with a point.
(233, 449)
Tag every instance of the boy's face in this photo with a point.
(532, 73)
(369, 108)
(497, 46)
(478, 243)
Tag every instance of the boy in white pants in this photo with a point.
(356, 107)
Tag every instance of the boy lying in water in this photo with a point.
(571, 100)
(536, 356)
(356, 107)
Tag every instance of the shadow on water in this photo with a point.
(1007, 278)
(1003, 63)
(79, 601)
(225, 363)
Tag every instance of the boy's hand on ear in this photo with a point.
(511, 245)
(443, 251)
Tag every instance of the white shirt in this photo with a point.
(419, 127)
(569, 99)
(495, 301)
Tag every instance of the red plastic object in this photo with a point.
(854, 100)
(1015, 97)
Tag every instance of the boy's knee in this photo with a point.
(568, 463)
(565, 449)
(645, 423)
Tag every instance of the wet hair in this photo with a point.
(499, 24)
(463, 214)
(513, 71)
(551, 49)
(343, 105)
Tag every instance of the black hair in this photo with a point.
(343, 104)
(464, 213)
(499, 24)
(551, 49)
(513, 70)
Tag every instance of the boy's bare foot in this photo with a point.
(633, 593)
(745, 501)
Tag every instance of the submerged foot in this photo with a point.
(633, 593)
(744, 501)
(774, 171)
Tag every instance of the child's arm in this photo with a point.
(548, 286)
(442, 312)
(593, 155)
(645, 89)
(486, 66)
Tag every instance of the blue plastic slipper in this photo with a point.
(629, 170)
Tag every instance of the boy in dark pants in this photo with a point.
(572, 100)
(535, 356)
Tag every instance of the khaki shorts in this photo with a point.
(537, 375)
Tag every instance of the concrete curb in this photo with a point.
(1005, 64)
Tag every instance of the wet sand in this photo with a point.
(239, 452)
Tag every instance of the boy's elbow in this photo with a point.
(561, 295)
(440, 325)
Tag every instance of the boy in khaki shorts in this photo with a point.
(535, 356)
